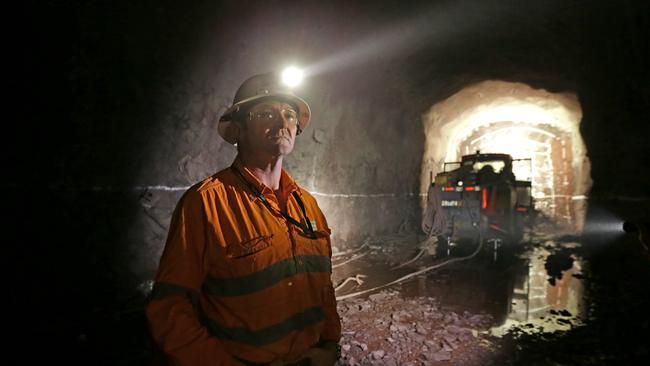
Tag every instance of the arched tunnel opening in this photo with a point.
(538, 129)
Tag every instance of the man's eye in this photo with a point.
(266, 115)
(289, 114)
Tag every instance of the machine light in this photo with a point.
(484, 199)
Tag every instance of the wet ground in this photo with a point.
(553, 300)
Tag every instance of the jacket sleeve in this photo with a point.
(332, 330)
(173, 311)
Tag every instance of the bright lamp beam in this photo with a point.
(292, 76)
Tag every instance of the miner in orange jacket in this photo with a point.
(244, 278)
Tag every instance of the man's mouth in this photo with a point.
(277, 137)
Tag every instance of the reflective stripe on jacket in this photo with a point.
(237, 280)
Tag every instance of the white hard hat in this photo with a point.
(254, 89)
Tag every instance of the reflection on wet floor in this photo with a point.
(547, 304)
(539, 289)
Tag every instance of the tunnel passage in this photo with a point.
(513, 118)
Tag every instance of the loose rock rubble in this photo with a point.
(386, 329)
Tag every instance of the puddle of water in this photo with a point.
(516, 291)
(544, 306)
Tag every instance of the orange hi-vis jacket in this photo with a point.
(237, 281)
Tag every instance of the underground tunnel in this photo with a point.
(501, 117)
(121, 103)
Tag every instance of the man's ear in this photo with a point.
(240, 125)
(239, 118)
(237, 128)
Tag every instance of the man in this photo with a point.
(245, 275)
(433, 220)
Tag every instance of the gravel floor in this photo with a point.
(386, 329)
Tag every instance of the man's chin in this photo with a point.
(280, 148)
(285, 150)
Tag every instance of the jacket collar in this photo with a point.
(287, 184)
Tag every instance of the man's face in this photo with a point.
(270, 128)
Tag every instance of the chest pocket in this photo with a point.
(250, 255)
(316, 244)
